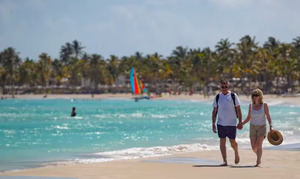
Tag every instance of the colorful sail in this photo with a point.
(137, 87)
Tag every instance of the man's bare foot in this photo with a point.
(237, 159)
(257, 164)
(224, 164)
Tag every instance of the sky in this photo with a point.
(123, 27)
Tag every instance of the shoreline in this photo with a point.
(160, 157)
(275, 164)
(172, 153)
(292, 100)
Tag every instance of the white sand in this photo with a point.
(275, 165)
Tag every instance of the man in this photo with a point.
(73, 113)
(227, 106)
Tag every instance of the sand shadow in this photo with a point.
(245, 166)
(210, 165)
(231, 166)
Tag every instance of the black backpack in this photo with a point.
(233, 99)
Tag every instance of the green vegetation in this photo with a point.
(274, 67)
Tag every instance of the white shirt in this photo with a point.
(226, 111)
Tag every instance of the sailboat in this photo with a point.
(137, 87)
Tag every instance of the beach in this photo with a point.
(149, 89)
(276, 164)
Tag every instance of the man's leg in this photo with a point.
(234, 145)
(223, 150)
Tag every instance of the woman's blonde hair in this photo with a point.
(259, 93)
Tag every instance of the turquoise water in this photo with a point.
(38, 132)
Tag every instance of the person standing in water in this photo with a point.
(257, 114)
(227, 106)
(73, 113)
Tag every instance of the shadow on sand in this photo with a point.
(209, 166)
(245, 166)
(231, 166)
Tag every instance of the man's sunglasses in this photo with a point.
(224, 87)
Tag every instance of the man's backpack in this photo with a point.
(233, 99)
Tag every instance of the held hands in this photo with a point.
(239, 126)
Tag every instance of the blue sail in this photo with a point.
(132, 80)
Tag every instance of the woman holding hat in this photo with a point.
(257, 114)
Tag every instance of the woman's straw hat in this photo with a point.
(275, 137)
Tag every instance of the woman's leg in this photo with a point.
(254, 144)
(259, 143)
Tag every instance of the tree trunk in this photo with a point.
(12, 88)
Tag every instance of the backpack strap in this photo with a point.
(217, 101)
(233, 99)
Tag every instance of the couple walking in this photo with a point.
(226, 106)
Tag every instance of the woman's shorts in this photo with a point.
(257, 131)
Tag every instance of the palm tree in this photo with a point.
(296, 42)
(71, 50)
(75, 71)
(204, 68)
(271, 44)
(113, 66)
(77, 49)
(10, 61)
(28, 73)
(247, 48)
(267, 55)
(138, 55)
(296, 54)
(178, 64)
(180, 52)
(44, 64)
(95, 72)
(225, 58)
(57, 71)
(3, 77)
(223, 46)
(66, 52)
(288, 65)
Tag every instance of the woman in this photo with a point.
(257, 114)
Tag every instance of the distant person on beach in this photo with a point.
(226, 106)
(73, 114)
(257, 114)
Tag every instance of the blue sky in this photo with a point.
(122, 27)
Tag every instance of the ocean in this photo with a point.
(40, 132)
